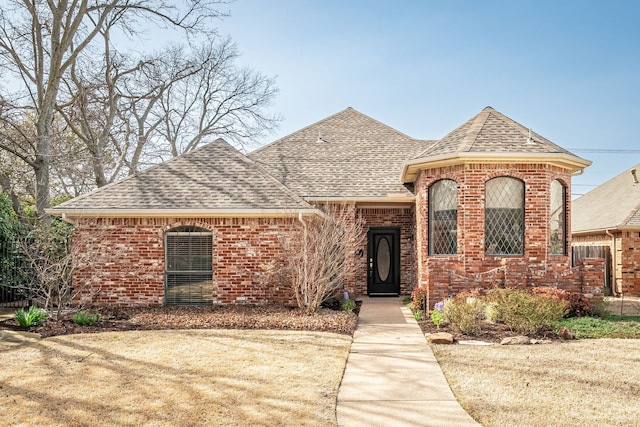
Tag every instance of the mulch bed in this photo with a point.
(216, 317)
(490, 332)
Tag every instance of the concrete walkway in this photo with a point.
(392, 377)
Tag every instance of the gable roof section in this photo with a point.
(491, 136)
(212, 180)
(348, 155)
(612, 205)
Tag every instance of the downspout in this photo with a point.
(614, 288)
(578, 172)
(67, 219)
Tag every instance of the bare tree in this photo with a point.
(135, 112)
(41, 40)
(317, 257)
(215, 98)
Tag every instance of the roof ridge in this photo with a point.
(476, 127)
(138, 173)
(348, 109)
(252, 163)
(525, 131)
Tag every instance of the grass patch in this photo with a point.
(180, 377)
(577, 383)
(84, 318)
(603, 327)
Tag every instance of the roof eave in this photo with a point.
(412, 168)
(602, 230)
(356, 199)
(181, 213)
(395, 202)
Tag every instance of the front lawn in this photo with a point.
(605, 327)
(573, 383)
(174, 377)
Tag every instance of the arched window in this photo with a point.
(558, 220)
(504, 217)
(443, 218)
(188, 266)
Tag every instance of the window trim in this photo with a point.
(564, 242)
(522, 220)
(432, 220)
(190, 231)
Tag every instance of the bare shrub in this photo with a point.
(464, 312)
(526, 313)
(317, 256)
(52, 260)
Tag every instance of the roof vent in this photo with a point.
(635, 177)
(320, 140)
(530, 140)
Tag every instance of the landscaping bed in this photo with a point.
(210, 317)
(490, 332)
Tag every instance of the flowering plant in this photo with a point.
(437, 316)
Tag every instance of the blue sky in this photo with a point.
(567, 69)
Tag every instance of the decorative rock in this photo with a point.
(519, 340)
(440, 338)
(566, 334)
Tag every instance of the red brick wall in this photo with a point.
(125, 265)
(630, 268)
(387, 217)
(443, 276)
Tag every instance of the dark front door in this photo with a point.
(384, 261)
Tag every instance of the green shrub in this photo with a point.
(32, 317)
(348, 305)
(437, 317)
(464, 312)
(526, 313)
(84, 318)
(418, 315)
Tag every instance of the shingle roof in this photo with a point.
(214, 176)
(491, 132)
(345, 155)
(614, 204)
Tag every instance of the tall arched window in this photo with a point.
(558, 220)
(188, 266)
(443, 218)
(504, 216)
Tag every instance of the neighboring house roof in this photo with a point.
(214, 179)
(346, 156)
(612, 205)
(490, 135)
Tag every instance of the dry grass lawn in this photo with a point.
(174, 377)
(579, 383)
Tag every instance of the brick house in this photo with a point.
(487, 205)
(609, 216)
